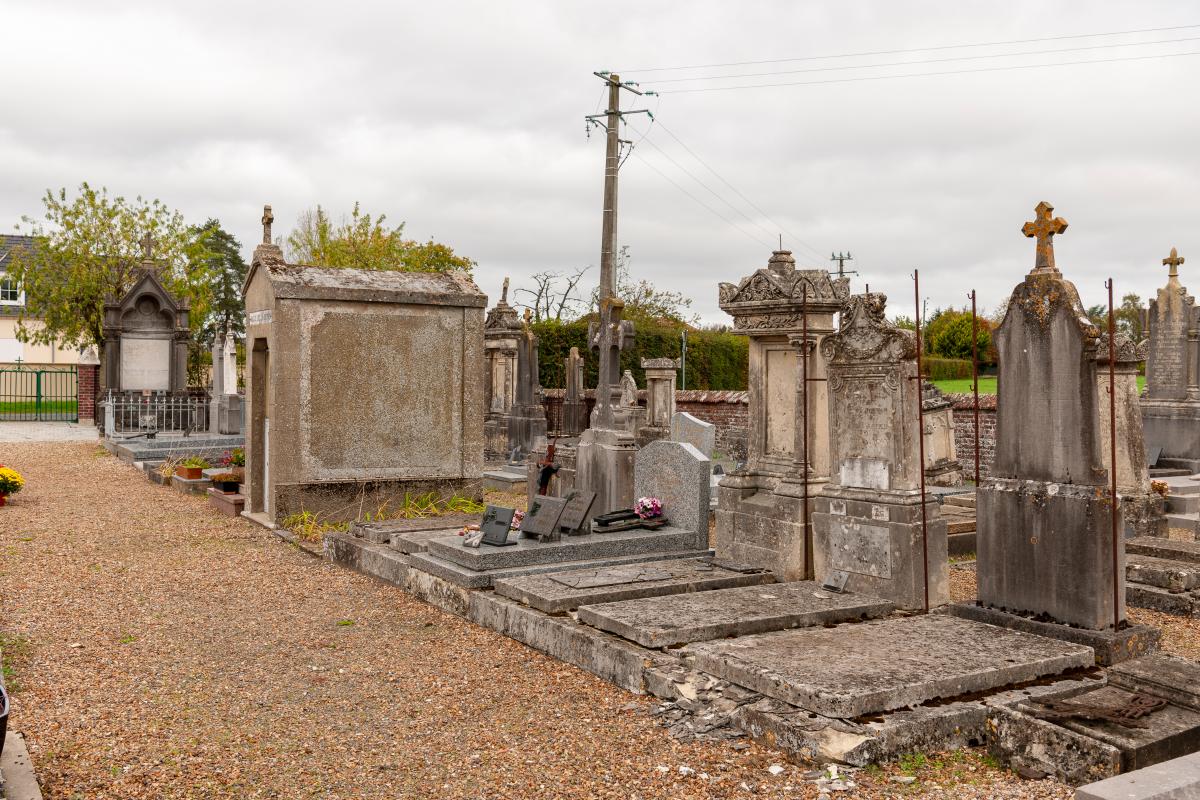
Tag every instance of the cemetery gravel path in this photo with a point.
(175, 653)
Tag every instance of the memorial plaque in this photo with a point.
(575, 513)
(835, 581)
(495, 525)
(541, 520)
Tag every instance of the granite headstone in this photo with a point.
(541, 521)
(495, 525)
(678, 475)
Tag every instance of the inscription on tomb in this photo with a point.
(862, 549)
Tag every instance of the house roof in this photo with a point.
(9, 243)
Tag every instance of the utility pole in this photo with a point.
(841, 259)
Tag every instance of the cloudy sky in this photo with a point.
(466, 120)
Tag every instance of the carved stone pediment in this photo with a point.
(866, 335)
(502, 317)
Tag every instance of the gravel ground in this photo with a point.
(176, 653)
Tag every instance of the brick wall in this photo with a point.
(964, 432)
(87, 388)
(729, 411)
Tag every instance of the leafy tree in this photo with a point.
(366, 242)
(88, 249)
(1130, 317)
(222, 261)
(904, 322)
(1098, 316)
(951, 338)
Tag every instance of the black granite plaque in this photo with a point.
(495, 524)
(575, 515)
(541, 520)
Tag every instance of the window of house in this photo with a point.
(10, 293)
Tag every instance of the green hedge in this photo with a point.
(946, 369)
(715, 360)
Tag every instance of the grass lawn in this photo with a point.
(987, 385)
(60, 407)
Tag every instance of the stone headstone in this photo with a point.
(495, 525)
(1045, 547)
(541, 520)
(678, 475)
(871, 521)
(229, 382)
(575, 514)
(696, 432)
(574, 407)
(501, 339)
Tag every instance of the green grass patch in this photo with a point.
(987, 385)
(34, 407)
(13, 649)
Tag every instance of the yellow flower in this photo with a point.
(10, 481)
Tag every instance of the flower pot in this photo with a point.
(226, 487)
(190, 473)
(3, 499)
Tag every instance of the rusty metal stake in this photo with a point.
(921, 437)
(808, 543)
(975, 379)
(1112, 453)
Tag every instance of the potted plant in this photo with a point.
(234, 458)
(11, 482)
(192, 468)
(226, 482)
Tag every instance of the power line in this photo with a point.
(736, 191)
(701, 203)
(927, 74)
(657, 82)
(915, 49)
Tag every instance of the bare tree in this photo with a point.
(554, 295)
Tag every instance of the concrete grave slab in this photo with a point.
(1171, 677)
(467, 578)
(1177, 779)
(558, 592)
(1168, 733)
(417, 541)
(869, 667)
(682, 618)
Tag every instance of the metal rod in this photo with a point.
(1112, 454)
(975, 378)
(921, 438)
(808, 545)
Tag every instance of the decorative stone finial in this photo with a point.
(267, 219)
(781, 262)
(504, 292)
(147, 243)
(1173, 261)
(1043, 227)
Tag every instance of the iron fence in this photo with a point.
(140, 412)
(39, 394)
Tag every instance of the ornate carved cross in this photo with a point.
(608, 339)
(504, 292)
(267, 219)
(147, 243)
(1044, 226)
(1173, 261)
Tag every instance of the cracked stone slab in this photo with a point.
(866, 668)
(558, 592)
(682, 618)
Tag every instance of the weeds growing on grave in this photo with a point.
(13, 648)
(307, 526)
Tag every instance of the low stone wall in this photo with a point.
(728, 410)
(964, 432)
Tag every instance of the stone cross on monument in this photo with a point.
(147, 243)
(1173, 261)
(1043, 227)
(504, 292)
(267, 219)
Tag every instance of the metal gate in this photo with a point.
(39, 394)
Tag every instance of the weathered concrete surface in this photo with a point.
(604, 462)
(468, 578)
(1177, 779)
(389, 530)
(1037, 747)
(696, 432)
(558, 592)
(1168, 733)
(19, 780)
(418, 541)
(682, 618)
(370, 558)
(1165, 548)
(530, 552)
(1132, 641)
(1171, 677)
(1176, 576)
(191, 485)
(1183, 604)
(869, 667)
(564, 639)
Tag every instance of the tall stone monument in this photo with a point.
(760, 510)
(660, 399)
(1171, 404)
(501, 339)
(231, 418)
(527, 419)
(574, 411)
(868, 523)
(1046, 551)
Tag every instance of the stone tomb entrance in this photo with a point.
(364, 387)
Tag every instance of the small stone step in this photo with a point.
(960, 526)
(1164, 548)
(960, 500)
(1175, 576)
(1183, 503)
(1181, 604)
(957, 512)
(1188, 522)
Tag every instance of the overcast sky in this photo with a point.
(465, 120)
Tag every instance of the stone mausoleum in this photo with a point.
(146, 337)
(361, 387)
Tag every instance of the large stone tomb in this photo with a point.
(501, 341)
(868, 519)
(363, 387)
(146, 337)
(681, 618)
(559, 592)
(760, 514)
(871, 667)
(1045, 544)
(1171, 403)
(660, 399)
